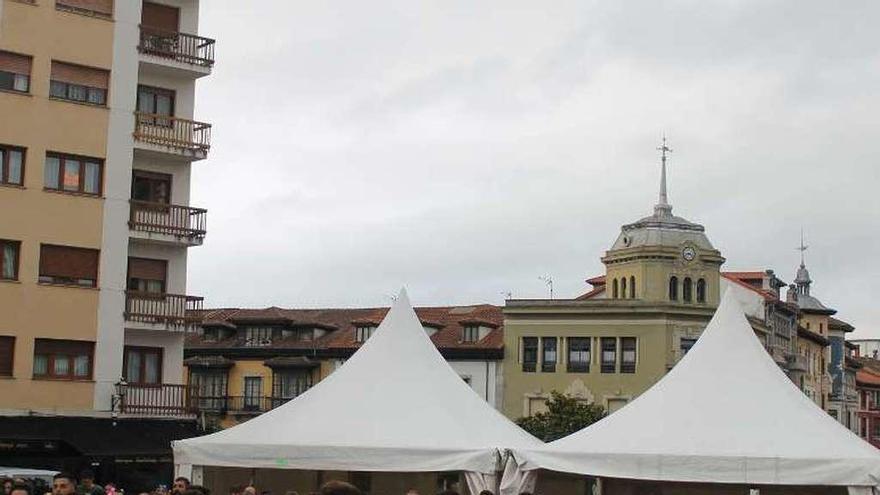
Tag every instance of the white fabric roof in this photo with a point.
(395, 405)
(725, 413)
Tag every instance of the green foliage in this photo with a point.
(565, 415)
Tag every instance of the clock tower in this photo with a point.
(663, 258)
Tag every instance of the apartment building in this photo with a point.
(244, 362)
(97, 141)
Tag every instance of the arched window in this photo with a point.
(632, 287)
(673, 289)
(614, 289)
(701, 290)
(623, 288)
(687, 290)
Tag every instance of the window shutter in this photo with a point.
(164, 17)
(69, 347)
(15, 63)
(7, 345)
(72, 262)
(104, 7)
(147, 269)
(77, 74)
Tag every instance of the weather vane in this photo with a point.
(803, 247)
(664, 149)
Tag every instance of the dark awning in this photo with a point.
(99, 437)
(291, 362)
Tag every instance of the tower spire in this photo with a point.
(663, 208)
(803, 247)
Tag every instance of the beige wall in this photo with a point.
(27, 309)
(657, 343)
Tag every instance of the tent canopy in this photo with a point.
(395, 405)
(725, 413)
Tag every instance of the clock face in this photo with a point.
(688, 253)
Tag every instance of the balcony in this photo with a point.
(796, 362)
(168, 135)
(175, 53)
(236, 405)
(159, 311)
(167, 224)
(155, 400)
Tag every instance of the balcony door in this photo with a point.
(154, 103)
(288, 384)
(210, 388)
(147, 276)
(253, 391)
(142, 365)
(160, 17)
(151, 187)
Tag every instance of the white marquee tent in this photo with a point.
(725, 413)
(394, 406)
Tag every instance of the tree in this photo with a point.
(565, 415)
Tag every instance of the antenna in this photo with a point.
(549, 281)
(507, 294)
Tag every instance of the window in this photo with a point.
(548, 359)
(63, 359)
(471, 333)
(685, 344)
(77, 83)
(151, 187)
(614, 289)
(288, 384)
(687, 290)
(253, 392)
(701, 290)
(99, 8)
(155, 102)
(530, 354)
(627, 354)
(142, 365)
(623, 287)
(162, 17)
(74, 174)
(211, 388)
(673, 288)
(147, 275)
(609, 354)
(9, 252)
(68, 265)
(364, 332)
(632, 287)
(578, 354)
(15, 72)
(7, 352)
(11, 165)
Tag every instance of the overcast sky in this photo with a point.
(464, 149)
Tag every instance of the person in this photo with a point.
(249, 490)
(486, 492)
(87, 484)
(197, 490)
(7, 485)
(449, 492)
(180, 485)
(412, 491)
(339, 488)
(20, 489)
(63, 484)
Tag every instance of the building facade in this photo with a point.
(868, 391)
(660, 288)
(245, 362)
(95, 156)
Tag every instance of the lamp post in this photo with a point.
(117, 400)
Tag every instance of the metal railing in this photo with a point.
(173, 132)
(182, 47)
(237, 404)
(161, 308)
(155, 400)
(160, 218)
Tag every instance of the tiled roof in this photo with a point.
(599, 280)
(341, 324)
(740, 278)
(810, 335)
(869, 374)
(593, 293)
(839, 324)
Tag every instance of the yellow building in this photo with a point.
(814, 347)
(660, 289)
(96, 143)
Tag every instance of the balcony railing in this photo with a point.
(159, 218)
(160, 308)
(155, 400)
(237, 404)
(173, 132)
(182, 47)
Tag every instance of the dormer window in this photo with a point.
(471, 333)
(258, 336)
(363, 332)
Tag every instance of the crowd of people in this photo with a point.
(66, 484)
